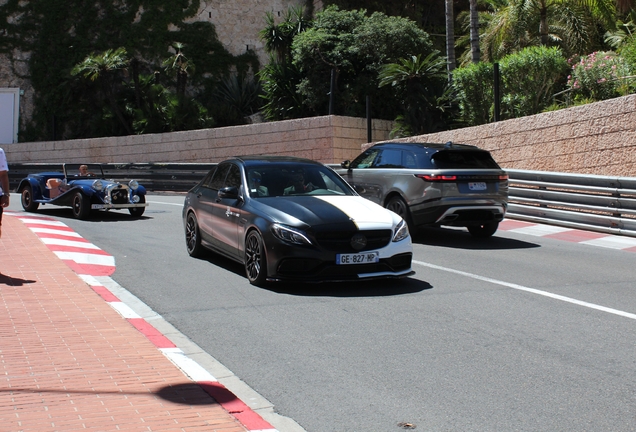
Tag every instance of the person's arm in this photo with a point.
(4, 182)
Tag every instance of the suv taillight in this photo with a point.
(503, 177)
(436, 178)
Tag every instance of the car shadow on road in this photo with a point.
(461, 238)
(95, 216)
(371, 288)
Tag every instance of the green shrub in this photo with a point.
(473, 93)
(530, 78)
(599, 76)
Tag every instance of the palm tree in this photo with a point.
(180, 66)
(419, 82)
(279, 37)
(573, 25)
(450, 38)
(474, 32)
(102, 68)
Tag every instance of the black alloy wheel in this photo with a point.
(255, 264)
(27, 199)
(192, 236)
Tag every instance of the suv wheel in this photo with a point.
(397, 205)
(484, 230)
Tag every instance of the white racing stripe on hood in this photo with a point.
(366, 214)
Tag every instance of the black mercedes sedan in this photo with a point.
(293, 219)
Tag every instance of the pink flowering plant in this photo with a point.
(599, 76)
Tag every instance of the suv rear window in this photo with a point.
(463, 159)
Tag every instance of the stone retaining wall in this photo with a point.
(598, 138)
(329, 139)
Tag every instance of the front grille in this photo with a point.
(341, 241)
(315, 269)
(119, 195)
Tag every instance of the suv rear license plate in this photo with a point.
(477, 186)
(358, 258)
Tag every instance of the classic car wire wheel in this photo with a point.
(27, 199)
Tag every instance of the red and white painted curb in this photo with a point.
(591, 238)
(90, 262)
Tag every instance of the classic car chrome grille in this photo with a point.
(119, 195)
(341, 241)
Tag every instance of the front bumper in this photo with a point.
(117, 206)
(288, 263)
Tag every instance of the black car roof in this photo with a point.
(431, 146)
(255, 159)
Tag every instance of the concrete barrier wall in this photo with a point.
(328, 139)
(598, 138)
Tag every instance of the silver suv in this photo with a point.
(433, 184)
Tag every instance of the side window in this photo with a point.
(218, 178)
(206, 180)
(389, 159)
(233, 177)
(365, 160)
(409, 160)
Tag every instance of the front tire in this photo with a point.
(193, 236)
(255, 263)
(483, 230)
(81, 206)
(136, 212)
(397, 205)
(27, 199)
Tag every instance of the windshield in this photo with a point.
(294, 179)
(78, 170)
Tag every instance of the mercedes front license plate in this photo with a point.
(358, 258)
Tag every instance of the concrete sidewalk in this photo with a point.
(70, 362)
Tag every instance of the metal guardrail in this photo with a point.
(596, 203)
(171, 177)
(591, 202)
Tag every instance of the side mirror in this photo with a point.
(345, 164)
(361, 190)
(230, 192)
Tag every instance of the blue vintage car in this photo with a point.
(82, 187)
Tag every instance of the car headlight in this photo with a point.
(98, 185)
(401, 231)
(134, 184)
(289, 235)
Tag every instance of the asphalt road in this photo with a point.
(515, 333)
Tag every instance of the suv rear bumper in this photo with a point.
(460, 215)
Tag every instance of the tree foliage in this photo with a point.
(529, 79)
(419, 84)
(354, 46)
(572, 25)
(60, 35)
(599, 76)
